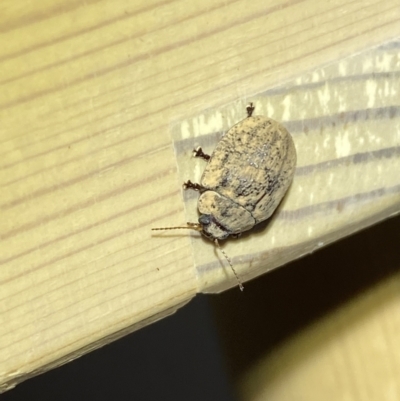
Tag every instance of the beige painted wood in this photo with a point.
(91, 97)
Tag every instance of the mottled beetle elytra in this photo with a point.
(244, 180)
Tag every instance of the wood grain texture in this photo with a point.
(90, 97)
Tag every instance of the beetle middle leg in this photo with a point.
(191, 185)
(198, 152)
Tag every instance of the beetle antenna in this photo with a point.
(190, 226)
(230, 264)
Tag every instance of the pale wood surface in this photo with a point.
(91, 97)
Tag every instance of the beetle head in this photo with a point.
(211, 228)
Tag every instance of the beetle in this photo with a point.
(244, 180)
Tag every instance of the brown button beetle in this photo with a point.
(245, 178)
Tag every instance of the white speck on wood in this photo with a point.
(286, 102)
(342, 145)
(371, 92)
(270, 109)
(185, 129)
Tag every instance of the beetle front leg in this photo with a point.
(196, 187)
(199, 153)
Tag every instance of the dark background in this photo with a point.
(198, 353)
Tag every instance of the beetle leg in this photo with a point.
(199, 153)
(250, 108)
(190, 185)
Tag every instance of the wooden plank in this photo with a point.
(91, 94)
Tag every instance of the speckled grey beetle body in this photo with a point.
(245, 178)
